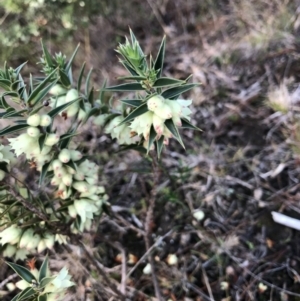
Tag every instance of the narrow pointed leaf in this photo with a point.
(7, 210)
(64, 78)
(44, 172)
(19, 68)
(132, 102)
(159, 62)
(5, 84)
(165, 81)
(22, 272)
(152, 136)
(13, 129)
(26, 293)
(72, 58)
(135, 147)
(42, 140)
(3, 103)
(129, 68)
(43, 269)
(57, 110)
(87, 82)
(47, 56)
(137, 112)
(173, 129)
(186, 124)
(40, 87)
(13, 114)
(42, 297)
(159, 145)
(80, 77)
(15, 298)
(126, 87)
(137, 78)
(172, 93)
(47, 280)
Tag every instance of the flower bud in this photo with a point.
(41, 246)
(45, 120)
(33, 243)
(155, 102)
(56, 164)
(52, 139)
(79, 176)
(49, 240)
(26, 237)
(33, 131)
(55, 181)
(81, 115)
(81, 186)
(65, 194)
(75, 155)
(70, 170)
(72, 211)
(175, 107)
(67, 179)
(57, 90)
(72, 110)
(71, 95)
(64, 155)
(34, 120)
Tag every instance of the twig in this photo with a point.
(11, 277)
(28, 205)
(148, 226)
(207, 285)
(102, 272)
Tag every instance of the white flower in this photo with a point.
(24, 144)
(59, 283)
(10, 235)
(120, 132)
(6, 155)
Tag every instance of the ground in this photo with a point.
(241, 167)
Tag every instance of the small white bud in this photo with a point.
(147, 269)
(155, 102)
(71, 95)
(64, 155)
(56, 164)
(57, 90)
(172, 259)
(34, 120)
(52, 139)
(67, 179)
(164, 111)
(81, 186)
(33, 131)
(45, 120)
(75, 155)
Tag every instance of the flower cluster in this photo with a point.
(159, 110)
(41, 283)
(20, 243)
(28, 143)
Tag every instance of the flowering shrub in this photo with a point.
(68, 196)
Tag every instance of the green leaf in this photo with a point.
(159, 145)
(42, 140)
(186, 124)
(43, 269)
(72, 165)
(15, 298)
(3, 103)
(35, 93)
(91, 97)
(42, 297)
(152, 136)
(72, 58)
(126, 87)
(159, 62)
(91, 112)
(137, 78)
(13, 129)
(15, 114)
(65, 139)
(57, 110)
(166, 81)
(5, 84)
(80, 76)
(135, 147)
(47, 56)
(7, 210)
(46, 280)
(129, 68)
(26, 293)
(44, 172)
(64, 78)
(132, 102)
(143, 108)
(172, 93)
(173, 129)
(22, 272)
(87, 82)
(19, 68)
